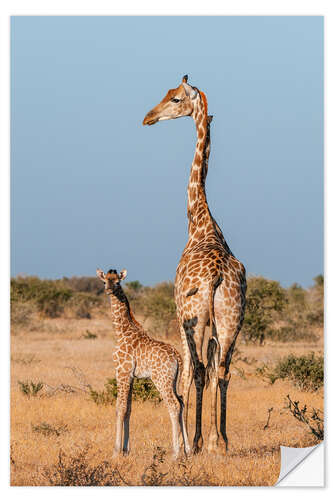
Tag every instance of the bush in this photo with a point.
(49, 296)
(49, 430)
(75, 470)
(143, 390)
(82, 303)
(306, 372)
(21, 313)
(87, 284)
(314, 421)
(293, 332)
(315, 313)
(264, 299)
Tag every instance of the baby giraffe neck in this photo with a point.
(120, 311)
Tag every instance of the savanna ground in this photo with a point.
(60, 436)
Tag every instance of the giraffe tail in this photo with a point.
(213, 343)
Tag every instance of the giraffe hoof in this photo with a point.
(197, 448)
(214, 446)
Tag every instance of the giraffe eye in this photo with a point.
(175, 100)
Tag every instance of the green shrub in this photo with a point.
(48, 295)
(30, 388)
(143, 390)
(306, 372)
(264, 299)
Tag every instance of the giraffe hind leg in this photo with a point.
(182, 425)
(223, 385)
(172, 403)
(199, 380)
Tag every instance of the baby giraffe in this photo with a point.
(138, 355)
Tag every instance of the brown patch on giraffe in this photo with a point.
(201, 133)
(193, 291)
(196, 176)
(198, 158)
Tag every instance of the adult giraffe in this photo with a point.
(210, 283)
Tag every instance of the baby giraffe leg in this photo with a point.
(127, 420)
(174, 408)
(123, 386)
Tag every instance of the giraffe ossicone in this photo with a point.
(210, 282)
(138, 355)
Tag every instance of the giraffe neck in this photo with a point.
(197, 207)
(121, 313)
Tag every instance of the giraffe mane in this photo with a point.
(204, 99)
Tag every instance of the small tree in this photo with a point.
(264, 299)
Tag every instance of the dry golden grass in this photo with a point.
(50, 353)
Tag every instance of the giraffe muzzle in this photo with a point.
(150, 118)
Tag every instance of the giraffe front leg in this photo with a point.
(123, 386)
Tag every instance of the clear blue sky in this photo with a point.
(90, 186)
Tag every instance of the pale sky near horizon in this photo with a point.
(91, 187)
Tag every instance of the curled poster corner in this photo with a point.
(291, 458)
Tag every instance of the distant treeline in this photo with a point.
(272, 312)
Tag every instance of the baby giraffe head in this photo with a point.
(177, 102)
(111, 279)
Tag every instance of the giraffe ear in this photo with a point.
(100, 274)
(190, 91)
(123, 274)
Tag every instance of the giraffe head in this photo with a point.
(177, 102)
(111, 279)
